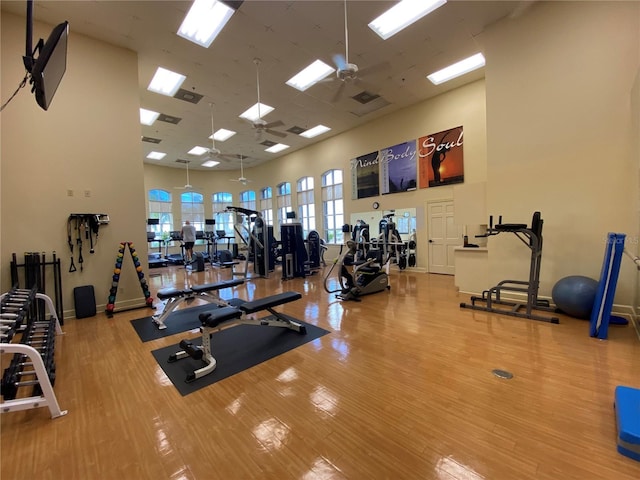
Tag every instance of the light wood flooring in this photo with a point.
(402, 388)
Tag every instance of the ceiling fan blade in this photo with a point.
(338, 93)
(277, 123)
(340, 61)
(276, 133)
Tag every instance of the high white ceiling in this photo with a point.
(286, 36)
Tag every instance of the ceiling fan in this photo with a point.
(259, 125)
(213, 153)
(186, 186)
(242, 179)
(349, 72)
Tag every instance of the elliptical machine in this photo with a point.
(369, 275)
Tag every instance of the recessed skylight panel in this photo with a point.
(403, 14)
(204, 21)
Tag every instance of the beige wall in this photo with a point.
(463, 106)
(559, 106)
(560, 136)
(88, 140)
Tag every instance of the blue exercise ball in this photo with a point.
(575, 295)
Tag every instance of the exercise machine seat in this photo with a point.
(214, 318)
(208, 287)
(269, 302)
(166, 293)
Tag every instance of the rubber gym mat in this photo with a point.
(180, 320)
(235, 350)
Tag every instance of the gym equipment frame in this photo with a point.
(15, 306)
(256, 240)
(532, 237)
(227, 316)
(175, 297)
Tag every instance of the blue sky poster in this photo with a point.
(365, 176)
(399, 168)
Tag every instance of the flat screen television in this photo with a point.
(153, 221)
(291, 215)
(209, 221)
(48, 69)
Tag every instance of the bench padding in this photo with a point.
(213, 318)
(166, 293)
(269, 302)
(171, 293)
(216, 286)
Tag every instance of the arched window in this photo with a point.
(283, 201)
(306, 205)
(224, 220)
(192, 209)
(160, 208)
(266, 205)
(332, 206)
(248, 199)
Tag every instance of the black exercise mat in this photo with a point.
(235, 349)
(181, 320)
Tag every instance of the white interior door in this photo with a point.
(444, 236)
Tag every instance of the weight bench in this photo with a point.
(176, 296)
(234, 315)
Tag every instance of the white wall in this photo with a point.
(88, 140)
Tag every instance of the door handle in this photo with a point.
(430, 241)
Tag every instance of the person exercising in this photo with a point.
(348, 260)
(188, 233)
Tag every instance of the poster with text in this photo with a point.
(440, 160)
(399, 168)
(365, 176)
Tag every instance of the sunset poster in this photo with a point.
(365, 176)
(399, 168)
(440, 159)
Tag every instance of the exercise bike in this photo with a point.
(369, 275)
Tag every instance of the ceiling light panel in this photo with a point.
(457, 69)
(252, 115)
(401, 15)
(147, 117)
(204, 21)
(166, 82)
(198, 151)
(278, 147)
(310, 75)
(156, 155)
(222, 134)
(210, 163)
(315, 131)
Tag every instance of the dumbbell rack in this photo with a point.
(33, 357)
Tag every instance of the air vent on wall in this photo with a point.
(151, 140)
(169, 119)
(187, 96)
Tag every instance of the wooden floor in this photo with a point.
(402, 388)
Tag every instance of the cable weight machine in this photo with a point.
(256, 235)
